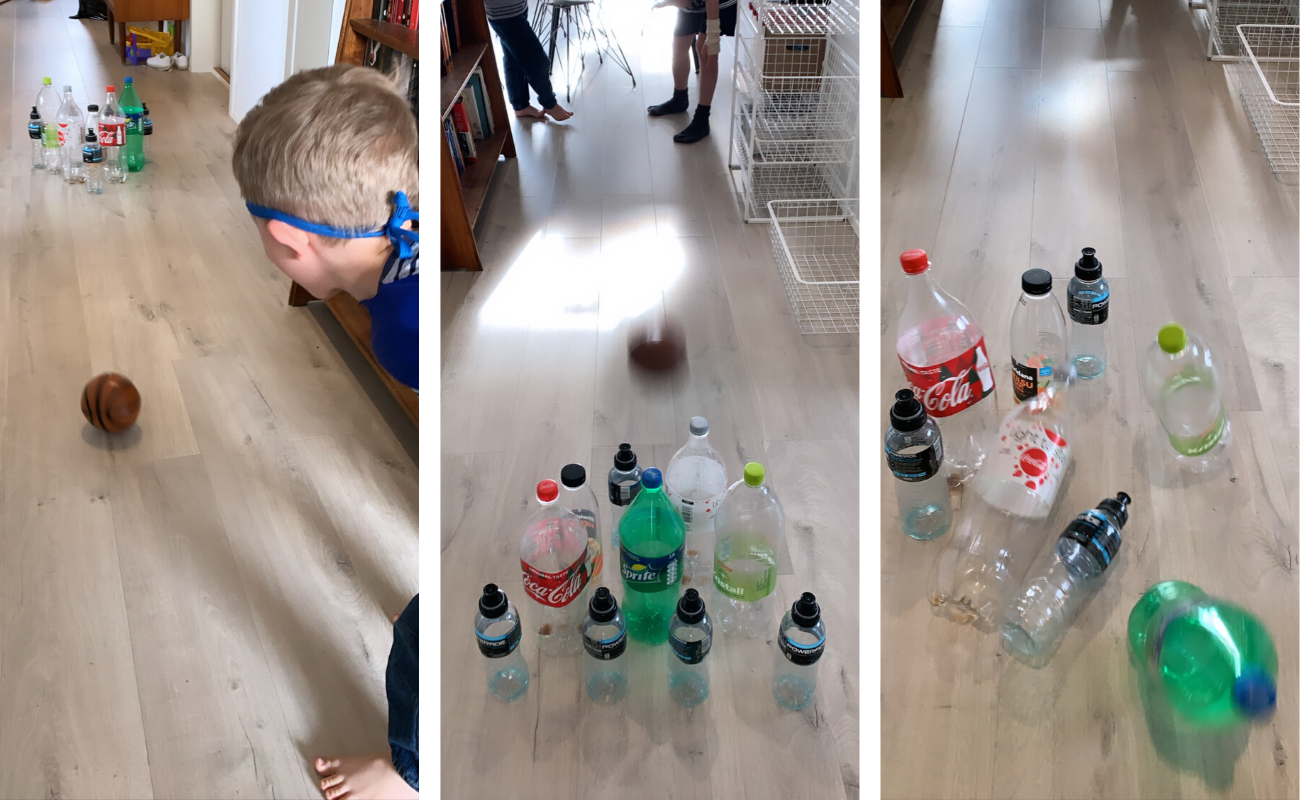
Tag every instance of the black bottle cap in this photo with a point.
(35, 114)
(92, 107)
(690, 608)
(493, 603)
(625, 459)
(805, 612)
(573, 475)
(1117, 506)
(1036, 282)
(1088, 268)
(90, 137)
(603, 606)
(145, 108)
(907, 414)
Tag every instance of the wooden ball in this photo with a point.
(110, 402)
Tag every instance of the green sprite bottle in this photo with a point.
(750, 525)
(652, 538)
(133, 109)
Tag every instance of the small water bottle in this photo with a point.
(624, 483)
(146, 122)
(691, 635)
(35, 132)
(1088, 300)
(604, 637)
(92, 156)
(800, 644)
(1043, 608)
(914, 450)
(498, 629)
(578, 496)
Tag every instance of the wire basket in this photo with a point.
(800, 88)
(765, 181)
(816, 245)
(1269, 82)
(1226, 15)
(796, 17)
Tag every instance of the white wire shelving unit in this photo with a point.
(816, 244)
(1224, 16)
(1269, 82)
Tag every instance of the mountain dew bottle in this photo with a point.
(1214, 660)
(652, 538)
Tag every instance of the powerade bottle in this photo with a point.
(624, 483)
(604, 637)
(93, 158)
(133, 109)
(1088, 303)
(498, 630)
(1214, 660)
(799, 646)
(146, 126)
(914, 451)
(35, 132)
(652, 537)
(691, 636)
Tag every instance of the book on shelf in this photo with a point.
(449, 130)
(453, 24)
(465, 133)
(471, 111)
(485, 103)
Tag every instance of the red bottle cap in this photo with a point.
(915, 262)
(547, 491)
(111, 89)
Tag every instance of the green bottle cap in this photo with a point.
(754, 474)
(47, 81)
(1172, 338)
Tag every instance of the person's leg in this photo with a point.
(533, 61)
(699, 127)
(516, 80)
(683, 38)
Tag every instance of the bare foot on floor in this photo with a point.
(557, 113)
(536, 113)
(395, 618)
(362, 778)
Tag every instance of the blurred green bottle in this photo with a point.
(652, 538)
(133, 109)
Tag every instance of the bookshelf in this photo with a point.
(463, 194)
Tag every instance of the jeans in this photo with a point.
(403, 683)
(526, 62)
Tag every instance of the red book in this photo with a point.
(462, 119)
(415, 15)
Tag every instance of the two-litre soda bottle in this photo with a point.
(553, 557)
(112, 137)
(624, 483)
(945, 360)
(71, 123)
(1039, 349)
(499, 633)
(1088, 301)
(133, 110)
(604, 637)
(696, 481)
(577, 496)
(751, 527)
(652, 538)
(36, 133)
(691, 639)
(800, 642)
(1213, 660)
(914, 452)
(1184, 385)
(47, 105)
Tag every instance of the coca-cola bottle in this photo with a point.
(944, 358)
(1005, 523)
(553, 556)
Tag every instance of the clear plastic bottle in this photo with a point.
(604, 637)
(914, 451)
(36, 132)
(133, 110)
(553, 556)
(112, 135)
(499, 632)
(799, 646)
(1088, 298)
(1004, 527)
(1182, 382)
(71, 125)
(1039, 352)
(696, 479)
(651, 540)
(691, 636)
(578, 497)
(944, 357)
(624, 483)
(1045, 606)
(751, 526)
(146, 126)
(93, 158)
(47, 105)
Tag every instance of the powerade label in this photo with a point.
(650, 574)
(34, 130)
(92, 155)
(916, 467)
(691, 652)
(595, 556)
(500, 646)
(802, 654)
(606, 649)
(1091, 530)
(623, 494)
(1089, 310)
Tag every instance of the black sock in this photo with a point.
(677, 105)
(697, 130)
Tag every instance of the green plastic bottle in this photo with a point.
(133, 109)
(652, 538)
(1214, 660)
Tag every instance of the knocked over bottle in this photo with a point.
(1183, 384)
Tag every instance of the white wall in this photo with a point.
(261, 52)
(204, 34)
(314, 34)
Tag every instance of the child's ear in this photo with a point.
(293, 238)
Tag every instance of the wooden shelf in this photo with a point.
(463, 63)
(399, 37)
(474, 183)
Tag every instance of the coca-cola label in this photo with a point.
(556, 589)
(500, 646)
(653, 574)
(1030, 453)
(112, 134)
(953, 386)
(802, 654)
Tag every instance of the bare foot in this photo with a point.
(536, 113)
(362, 778)
(557, 113)
(395, 618)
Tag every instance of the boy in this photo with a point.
(326, 163)
(525, 60)
(700, 23)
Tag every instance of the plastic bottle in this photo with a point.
(604, 637)
(133, 110)
(71, 124)
(499, 633)
(1039, 351)
(577, 496)
(112, 136)
(146, 125)
(914, 452)
(47, 105)
(1214, 660)
(751, 526)
(1045, 605)
(651, 539)
(945, 360)
(799, 646)
(624, 483)
(691, 638)
(93, 157)
(999, 536)
(697, 478)
(36, 132)
(1088, 299)
(1182, 383)
(553, 556)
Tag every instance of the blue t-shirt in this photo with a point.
(395, 318)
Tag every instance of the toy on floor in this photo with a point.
(657, 345)
(110, 402)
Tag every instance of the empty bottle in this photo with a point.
(112, 137)
(36, 132)
(146, 125)
(914, 451)
(1001, 533)
(604, 637)
(1088, 298)
(71, 124)
(577, 496)
(133, 110)
(93, 158)
(553, 555)
(499, 633)
(624, 483)
(751, 526)
(696, 478)
(1038, 337)
(691, 637)
(944, 358)
(1213, 660)
(47, 105)
(799, 646)
(651, 539)
(1182, 382)
(1044, 607)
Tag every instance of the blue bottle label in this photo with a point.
(1098, 536)
(1090, 310)
(623, 494)
(34, 130)
(802, 654)
(606, 649)
(650, 574)
(500, 646)
(916, 467)
(691, 652)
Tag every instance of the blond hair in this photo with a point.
(331, 146)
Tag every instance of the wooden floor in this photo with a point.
(196, 607)
(1031, 129)
(535, 375)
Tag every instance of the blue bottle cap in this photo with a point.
(1254, 693)
(652, 478)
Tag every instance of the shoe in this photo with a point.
(180, 61)
(159, 62)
